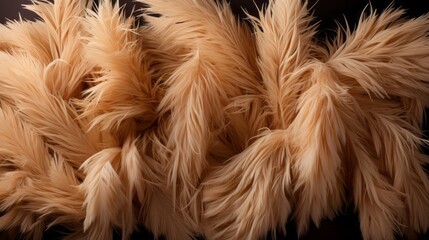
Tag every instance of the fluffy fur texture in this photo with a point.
(193, 125)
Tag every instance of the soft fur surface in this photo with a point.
(197, 124)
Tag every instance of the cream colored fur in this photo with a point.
(194, 125)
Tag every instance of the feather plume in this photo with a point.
(123, 87)
(19, 36)
(206, 25)
(62, 45)
(211, 29)
(378, 203)
(40, 186)
(207, 95)
(51, 117)
(403, 164)
(195, 99)
(248, 196)
(385, 62)
(104, 196)
(284, 42)
(386, 55)
(140, 174)
(21, 148)
(318, 134)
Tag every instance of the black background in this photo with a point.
(346, 225)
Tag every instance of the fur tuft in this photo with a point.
(319, 136)
(261, 172)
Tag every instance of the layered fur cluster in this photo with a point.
(195, 124)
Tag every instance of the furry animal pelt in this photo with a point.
(194, 124)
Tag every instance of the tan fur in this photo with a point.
(260, 172)
(196, 94)
(388, 76)
(193, 125)
(319, 135)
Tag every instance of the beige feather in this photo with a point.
(104, 194)
(319, 134)
(284, 39)
(378, 203)
(40, 186)
(21, 148)
(61, 45)
(385, 63)
(195, 98)
(205, 25)
(19, 36)
(248, 197)
(206, 97)
(123, 87)
(211, 28)
(51, 117)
